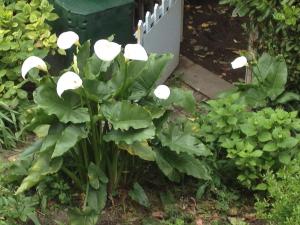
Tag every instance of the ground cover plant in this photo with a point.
(282, 206)
(24, 32)
(104, 121)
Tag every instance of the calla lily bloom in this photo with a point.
(33, 62)
(107, 50)
(162, 92)
(135, 52)
(67, 39)
(239, 62)
(68, 81)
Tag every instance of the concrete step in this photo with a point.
(201, 79)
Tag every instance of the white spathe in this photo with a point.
(239, 62)
(162, 92)
(68, 81)
(33, 62)
(67, 39)
(107, 50)
(135, 52)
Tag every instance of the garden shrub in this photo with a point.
(282, 206)
(24, 32)
(276, 24)
(256, 142)
(111, 126)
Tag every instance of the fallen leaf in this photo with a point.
(158, 215)
(237, 221)
(232, 211)
(199, 221)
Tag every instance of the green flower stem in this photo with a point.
(86, 195)
(94, 132)
(125, 79)
(73, 177)
(113, 168)
(85, 153)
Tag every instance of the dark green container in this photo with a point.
(96, 19)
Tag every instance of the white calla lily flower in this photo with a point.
(239, 62)
(135, 52)
(107, 50)
(68, 81)
(32, 62)
(162, 92)
(67, 39)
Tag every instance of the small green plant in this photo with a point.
(54, 188)
(254, 141)
(282, 206)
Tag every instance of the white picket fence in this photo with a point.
(162, 32)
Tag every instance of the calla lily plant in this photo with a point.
(106, 115)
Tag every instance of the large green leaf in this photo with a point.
(83, 55)
(167, 169)
(42, 166)
(66, 108)
(138, 194)
(180, 141)
(187, 164)
(130, 136)
(53, 135)
(145, 81)
(96, 176)
(182, 98)
(94, 67)
(124, 115)
(140, 149)
(273, 72)
(68, 139)
(96, 199)
(97, 90)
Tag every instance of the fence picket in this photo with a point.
(161, 31)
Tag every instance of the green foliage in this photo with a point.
(7, 125)
(15, 209)
(24, 32)
(283, 203)
(108, 127)
(54, 188)
(255, 141)
(268, 84)
(138, 194)
(277, 25)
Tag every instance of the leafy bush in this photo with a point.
(24, 32)
(109, 127)
(255, 141)
(276, 24)
(283, 203)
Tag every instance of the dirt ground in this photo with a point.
(213, 38)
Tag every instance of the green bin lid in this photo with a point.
(86, 7)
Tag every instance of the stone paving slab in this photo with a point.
(201, 79)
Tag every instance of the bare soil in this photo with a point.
(213, 38)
